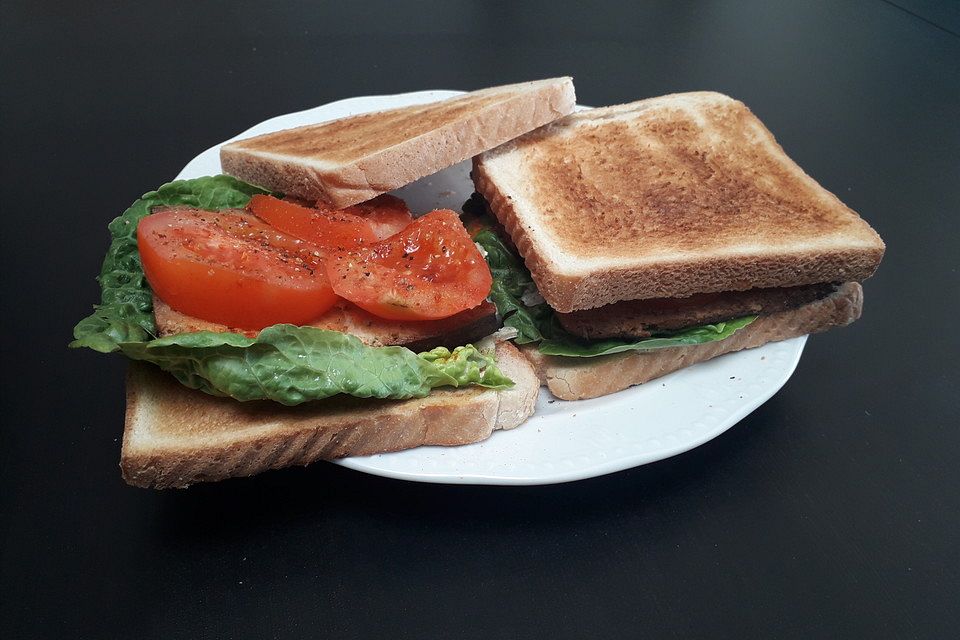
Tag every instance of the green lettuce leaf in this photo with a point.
(284, 363)
(511, 281)
(538, 322)
(468, 365)
(291, 365)
(125, 312)
(562, 343)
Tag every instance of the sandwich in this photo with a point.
(289, 311)
(647, 237)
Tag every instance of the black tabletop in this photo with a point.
(831, 511)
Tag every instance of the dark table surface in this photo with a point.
(832, 511)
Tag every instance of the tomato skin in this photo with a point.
(430, 270)
(229, 267)
(386, 214)
(327, 228)
(339, 229)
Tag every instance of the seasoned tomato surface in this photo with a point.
(340, 229)
(430, 270)
(232, 268)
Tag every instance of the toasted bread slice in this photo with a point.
(664, 198)
(353, 159)
(175, 437)
(457, 330)
(580, 378)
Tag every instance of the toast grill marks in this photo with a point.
(466, 326)
(354, 159)
(668, 197)
(357, 136)
(641, 318)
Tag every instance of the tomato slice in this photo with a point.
(386, 214)
(430, 270)
(231, 268)
(327, 228)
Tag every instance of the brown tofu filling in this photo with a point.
(457, 330)
(642, 318)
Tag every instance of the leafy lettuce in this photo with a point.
(564, 344)
(284, 363)
(511, 281)
(291, 365)
(125, 312)
(538, 323)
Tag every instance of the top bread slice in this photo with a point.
(175, 436)
(668, 197)
(354, 159)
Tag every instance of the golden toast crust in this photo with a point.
(354, 159)
(668, 197)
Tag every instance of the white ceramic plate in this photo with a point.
(563, 441)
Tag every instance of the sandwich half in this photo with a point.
(388, 347)
(652, 219)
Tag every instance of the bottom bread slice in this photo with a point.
(580, 378)
(175, 437)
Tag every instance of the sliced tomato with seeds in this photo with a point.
(327, 228)
(386, 214)
(232, 268)
(430, 270)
